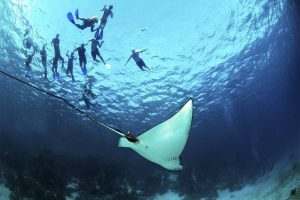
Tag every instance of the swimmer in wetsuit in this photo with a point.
(106, 13)
(70, 64)
(43, 54)
(95, 51)
(57, 56)
(87, 95)
(29, 57)
(82, 58)
(91, 22)
(138, 60)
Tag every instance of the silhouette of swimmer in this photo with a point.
(86, 22)
(57, 56)
(138, 60)
(95, 51)
(43, 54)
(71, 59)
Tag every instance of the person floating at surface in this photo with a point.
(29, 57)
(57, 56)
(138, 60)
(43, 54)
(70, 64)
(82, 58)
(91, 22)
(106, 13)
(95, 51)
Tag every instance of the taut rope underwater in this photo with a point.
(128, 136)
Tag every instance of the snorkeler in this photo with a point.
(70, 64)
(27, 40)
(82, 58)
(95, 51)
(29, 57)
(86, 95)
(138, 60)
(57, 56)
(54, 68)
(106, 13)
(91, 22)
(43, 54)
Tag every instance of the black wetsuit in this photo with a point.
(28, 61)
(54, 67)
(82, 58)
(43, 54)
(88, 92)
(106, 13)
(86, 23)
(57, 55)
(139, 61)
(95, 51)
(70, 67)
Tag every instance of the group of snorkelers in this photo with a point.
(96, 26)
(96, 43)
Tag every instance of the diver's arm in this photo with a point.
(111, 14)
(87, 42)
(100, 45)
(103, 8)
(67, 54)
(81, 18)
(128, 60)
(93, 28)
(141, 51)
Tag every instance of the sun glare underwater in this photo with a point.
(205, 95)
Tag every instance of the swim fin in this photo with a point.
(56, 77)
(84, 71)
(77, 13)
(99, 34)
(70, 17)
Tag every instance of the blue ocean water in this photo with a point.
(238, 60)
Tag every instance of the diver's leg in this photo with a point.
(101, 58)
(53, 71)
(45, 69)
(147, 67)
(80, 63)
(62, 60)
(80, 26)
(68, 70)
(80, 18)
(85, 62)
(86, 101)
(27, 65)
(94, 55)
(72, 75)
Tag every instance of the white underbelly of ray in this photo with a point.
(164, 143)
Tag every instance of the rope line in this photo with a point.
(67, 102)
